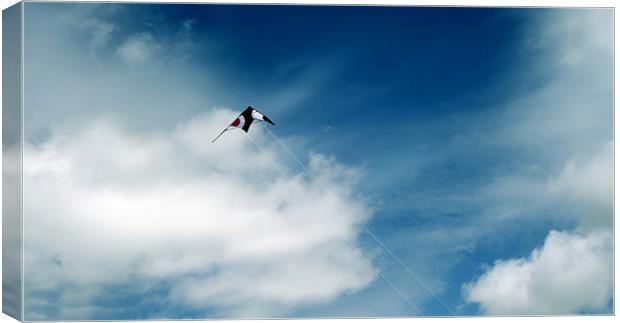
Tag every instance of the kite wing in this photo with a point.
(244, 121)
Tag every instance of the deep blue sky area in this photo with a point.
(430, 54)
(468, 127)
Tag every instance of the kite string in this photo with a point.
(349, 243)
(374, 237)
(268, 157)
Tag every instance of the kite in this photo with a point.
(244, 120)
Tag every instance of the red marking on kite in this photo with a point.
(236, 122)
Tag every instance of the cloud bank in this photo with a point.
(219, 223)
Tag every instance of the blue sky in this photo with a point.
(475, 143)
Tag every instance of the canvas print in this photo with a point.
(211, 161)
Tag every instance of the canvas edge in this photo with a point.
(12, 149)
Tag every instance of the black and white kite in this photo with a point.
(244, 120)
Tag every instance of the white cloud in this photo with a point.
(588, 182)
(218, 221)
(571, 273)
(139, 48)
(588, 178)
